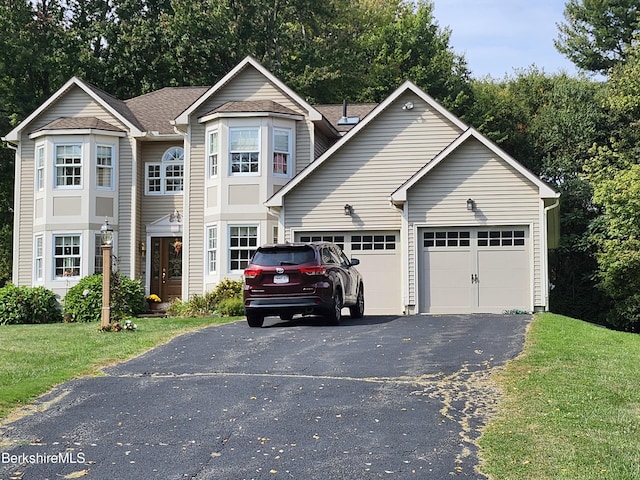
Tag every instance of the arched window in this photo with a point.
(166, 177)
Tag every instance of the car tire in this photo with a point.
(255, 320)
(336, 311)
(357, 310)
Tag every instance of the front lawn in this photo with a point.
(571, 406)
(34, 358)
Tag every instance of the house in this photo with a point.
(194, 179)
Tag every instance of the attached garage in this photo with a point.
(484, 269)
(380, 265)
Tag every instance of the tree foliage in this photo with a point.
(597, 34)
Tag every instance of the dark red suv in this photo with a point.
(307, 278)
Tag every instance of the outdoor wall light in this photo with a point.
(143, 248)
(471, 205)
(348, 210)
(408, 106)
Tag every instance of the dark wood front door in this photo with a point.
(166, 267)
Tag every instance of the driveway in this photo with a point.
(380, 397)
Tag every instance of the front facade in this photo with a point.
(194, 179)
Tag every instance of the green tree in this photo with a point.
(597, 34)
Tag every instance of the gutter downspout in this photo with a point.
(545, 251)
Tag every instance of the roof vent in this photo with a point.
(346, 120)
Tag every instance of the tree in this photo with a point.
(597, 34)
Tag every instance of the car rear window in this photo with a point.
(271, 257)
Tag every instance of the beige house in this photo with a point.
(193, 179)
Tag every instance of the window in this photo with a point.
(337, 239)
(40, 168)
(38, 258)
(447, 239)
(104, 166)
(212, 250)
(68, 163)
(168, 176)
(501, 238)
(373, 242)
(97, 267)
(281, 152)
(243, 241)
(213, 154)
(67, 256)
(244, 151)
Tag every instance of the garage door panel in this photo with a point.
(504, 280)
(446, 277)
(380, 265)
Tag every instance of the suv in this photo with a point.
(306, 278)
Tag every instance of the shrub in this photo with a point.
(207, 305)
(83, 301)
(28, 305)
(231, 307)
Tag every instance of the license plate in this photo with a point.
(281, 278)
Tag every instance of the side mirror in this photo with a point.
(355, 261)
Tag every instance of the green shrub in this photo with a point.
(231, 307)
(207, 305)
(83, 301)
(28, 305)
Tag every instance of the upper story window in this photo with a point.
(281, 152)
(39, 167)
(104, 166)
(168, 175)
(212, 156)
(68, 166)
(244, 151)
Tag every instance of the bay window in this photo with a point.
(243, 241)
(66, 256)
(68, 166)
(281, 152)
(244, 151)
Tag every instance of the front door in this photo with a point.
(166, 267)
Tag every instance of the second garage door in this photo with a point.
(467, 270)
(379, 255)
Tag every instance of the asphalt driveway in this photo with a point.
(380, 397)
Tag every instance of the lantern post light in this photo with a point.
(106, 232)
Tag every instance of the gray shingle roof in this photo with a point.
(253, 107)
(75, 123)
(333, 113)
(154, 111)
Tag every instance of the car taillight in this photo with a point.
(252, 272)
(315, 270)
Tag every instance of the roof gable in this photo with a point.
(115, 107)
(545, 191)
(277, 199)
(248, 62)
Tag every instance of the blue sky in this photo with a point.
(498, 37)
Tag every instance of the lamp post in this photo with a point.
(107, 238)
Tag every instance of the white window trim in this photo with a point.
(111, 167)
(163, 174)
(289, 152)
(231, 152)
(212, 250)
(230, 248)
(40, 162)
(54, 257)
(56, 166)
(211, 171)
(38, 258)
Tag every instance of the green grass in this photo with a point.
(571, 406)
(34, 358)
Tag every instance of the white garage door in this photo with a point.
(380, 265)
(474, 270)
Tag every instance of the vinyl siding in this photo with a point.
(23, 224)
(156, 206)
(502, 195)
(369, 168)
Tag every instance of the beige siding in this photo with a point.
(156, 206)
(23, 225)
(195, 199)
(75, 103)
(502, 196)
(125, 205)
(369, 168)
